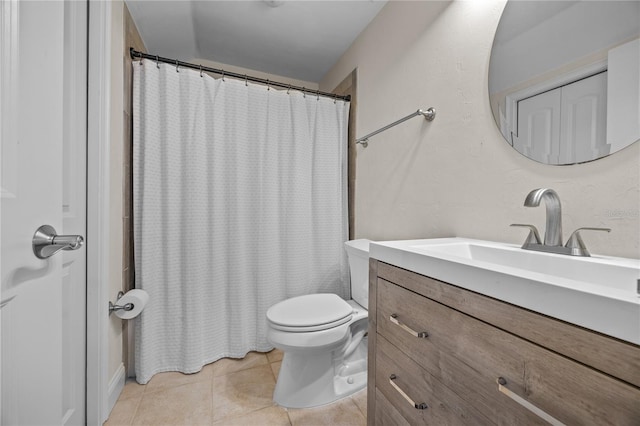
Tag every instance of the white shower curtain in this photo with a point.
(239, 202)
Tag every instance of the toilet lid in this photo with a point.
(309, 310)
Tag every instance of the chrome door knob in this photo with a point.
(46, 242)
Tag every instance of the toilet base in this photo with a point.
(309, 380)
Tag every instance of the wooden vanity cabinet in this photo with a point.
(443, 355)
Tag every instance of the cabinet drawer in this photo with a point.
(386, 414)
(400, 380)
(469, 356)
(611, 356)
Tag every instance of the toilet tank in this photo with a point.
(358, 254)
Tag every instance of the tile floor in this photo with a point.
(226, 392)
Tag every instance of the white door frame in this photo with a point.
(98, 133)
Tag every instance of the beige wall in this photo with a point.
(456, 176)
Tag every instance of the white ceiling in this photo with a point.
(298, 39)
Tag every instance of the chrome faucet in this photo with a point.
(553, 228)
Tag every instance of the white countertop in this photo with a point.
(599, 292)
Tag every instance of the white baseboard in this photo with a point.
(116, 385)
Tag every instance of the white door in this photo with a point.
(43, 168)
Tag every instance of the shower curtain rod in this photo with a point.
(136, 54)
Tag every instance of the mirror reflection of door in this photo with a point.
(541, 46)
(565, 125)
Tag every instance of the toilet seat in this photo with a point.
(311, 312)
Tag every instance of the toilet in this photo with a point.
(324, 339)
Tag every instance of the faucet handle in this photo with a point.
(533, 237)
(576, 244)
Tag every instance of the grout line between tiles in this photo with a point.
(273, 373)
(135, 411)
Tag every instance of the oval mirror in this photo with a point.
(564, 78)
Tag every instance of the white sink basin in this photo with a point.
(599, 292)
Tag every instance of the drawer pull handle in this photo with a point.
(526, 404)
(394, 319)
(421, 406)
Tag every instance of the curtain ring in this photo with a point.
(335, 97)
(245, 80)
(304, 92)
(222, 75)
(200, 70)
(318, 95)
(268, 86)
(157, 62)
(177, 66)
(288, 89)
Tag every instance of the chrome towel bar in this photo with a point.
(429, 114)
